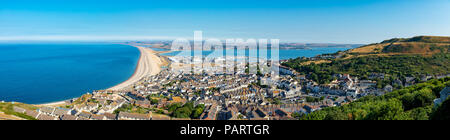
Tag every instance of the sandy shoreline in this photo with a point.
(58, 103)
(149, 64)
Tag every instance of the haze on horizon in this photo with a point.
(319, 21)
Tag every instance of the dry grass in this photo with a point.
(161, 116)
(177, 100)
(420, 47)
(7, 111)
(4, 116)
(369, 49)
(84, 98)
(316, 62)
(413, 48)
(433, 39)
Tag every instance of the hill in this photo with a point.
(424, 39)
(424, 45)
(398, 59)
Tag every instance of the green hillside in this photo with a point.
(395, 67)
(424, 39)
(415, 45)
(397, 61)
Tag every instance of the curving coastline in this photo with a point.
(148, 64)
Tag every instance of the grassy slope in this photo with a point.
(424, 45)
(7, 108)
(422, 54)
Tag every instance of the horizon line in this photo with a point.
(88, 38)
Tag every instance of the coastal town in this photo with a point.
(170, 90)
(205, 69)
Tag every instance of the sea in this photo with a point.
(43, 73)
(37, 73)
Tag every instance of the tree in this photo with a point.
(154, 101)
(187, 110)
(442, 112)
(198, 111)
(173, 107)
(336, 115)
(182, 112)
(421, 98)
(314, 77)
(296, 115)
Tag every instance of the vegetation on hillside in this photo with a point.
(425, 39)
(186, 111)
(416, 45)
(410, 103)
(398, 58)
(442, 112)
(8, 108)
(130, 108)
(396, 67)
(416, 48)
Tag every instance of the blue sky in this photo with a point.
(314, 21)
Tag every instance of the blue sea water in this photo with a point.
(160, 49)
(42, 73)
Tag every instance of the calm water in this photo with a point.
(42, 73)
(283, 54)
(160, 49)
